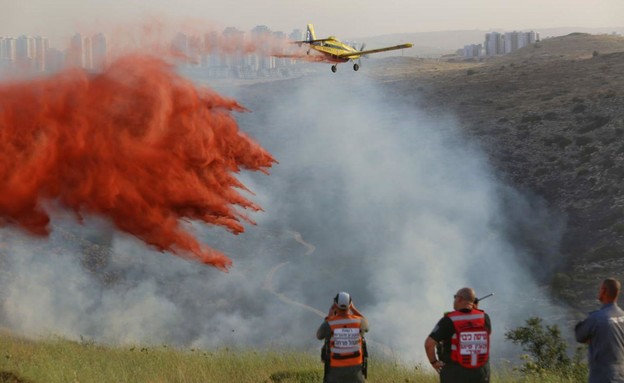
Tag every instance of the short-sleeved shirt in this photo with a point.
(444, 330)
(604, 329)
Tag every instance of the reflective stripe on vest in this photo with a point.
(345, 341)
(467, 317)
(345, 350)
(470, 344)
(337, 322)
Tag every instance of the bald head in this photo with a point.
(467, 294)
(611, 288)
(464, 298)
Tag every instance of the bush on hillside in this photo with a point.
(547, 351)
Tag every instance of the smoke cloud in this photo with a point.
(370, 196)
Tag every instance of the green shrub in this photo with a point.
(547, 352)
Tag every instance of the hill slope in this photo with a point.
(550, 117)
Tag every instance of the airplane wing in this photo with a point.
(351, 55)
(301, 56)
(310, 41)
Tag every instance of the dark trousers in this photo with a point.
(454, 373)
(345, 375)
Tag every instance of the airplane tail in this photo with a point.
(310, 36)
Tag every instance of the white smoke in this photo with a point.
(393, 205)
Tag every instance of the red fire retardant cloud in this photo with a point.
(137, 144)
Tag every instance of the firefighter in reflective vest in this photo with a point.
(464, 335)
(343, 330)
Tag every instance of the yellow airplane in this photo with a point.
(335, 51)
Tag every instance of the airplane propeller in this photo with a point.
(362, 49)
(358, 64)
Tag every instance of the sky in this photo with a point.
(346, 18)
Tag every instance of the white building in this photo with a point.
(99, 48)
(473, 50)
(75, 53)
(8, 52)
(494, 44)
(42, 45)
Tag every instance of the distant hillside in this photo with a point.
(436, 44)
(550, 117)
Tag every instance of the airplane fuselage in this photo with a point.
(334, 50)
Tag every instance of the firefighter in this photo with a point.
(344, 352)
(465, 337)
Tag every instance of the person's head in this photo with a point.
(342, 301)
(464, 299)
(609, 290)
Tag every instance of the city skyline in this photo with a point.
(348, 19)
(230, 53)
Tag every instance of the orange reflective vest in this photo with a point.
(470, 345)
(345, 343)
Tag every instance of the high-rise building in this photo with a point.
(494, 43)
(516, 40)
(99, 49)
(234, 46)
(55, 60)
(473, 50)
(511, 41)
(41, 48)
(25, 53)
(87, 53)
(533, 37)
(75, 53)
(261, 35)
(7, 52)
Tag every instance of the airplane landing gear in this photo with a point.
(356, 67)
(334, 68)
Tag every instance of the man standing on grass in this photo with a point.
(464, 335)
(344, 353)
(603, 330)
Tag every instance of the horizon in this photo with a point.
(59, 20)
(60, 41)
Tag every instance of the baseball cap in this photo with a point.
(343, 300)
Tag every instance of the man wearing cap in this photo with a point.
(343, 331)
(464, 336)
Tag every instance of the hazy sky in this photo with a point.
(343, 18)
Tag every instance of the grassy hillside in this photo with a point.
(63, 361)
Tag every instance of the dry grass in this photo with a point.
(63, 361)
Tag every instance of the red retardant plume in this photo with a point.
(137, 144)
